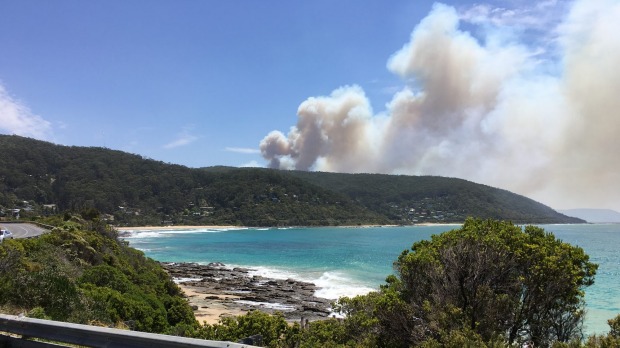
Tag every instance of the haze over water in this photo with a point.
(352, 261)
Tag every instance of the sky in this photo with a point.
(515, 94)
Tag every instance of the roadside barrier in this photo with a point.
(90, 336)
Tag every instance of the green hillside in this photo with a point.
(133, 190)
(81, 272)
(39, 178)
(433, 198)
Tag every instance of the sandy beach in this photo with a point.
(225, 227)
(210, 308)
(174, 228)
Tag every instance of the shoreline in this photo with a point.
(175, 228)
(215, 291)
(227, 227)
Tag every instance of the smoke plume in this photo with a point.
(538, 116)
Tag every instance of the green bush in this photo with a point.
(273, 329)
(48, 288)
(80, 272)
(107, 276)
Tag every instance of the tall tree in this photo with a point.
(490, 278)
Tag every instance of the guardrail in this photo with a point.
(90, 336)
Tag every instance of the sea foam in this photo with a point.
(334, 285)
(331, 284)
(273, 273)
(140, 234)
(276, 306)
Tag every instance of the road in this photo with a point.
(24, 230)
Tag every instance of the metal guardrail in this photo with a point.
(91, 336)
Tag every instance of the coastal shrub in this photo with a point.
(273, 329)
(39, 274)
(611, 340)
(106, 276)
(614, 327)
(599, 341)
(488, 278)
(38, 313)
(100, 307)
(138, 311)
(376, 319)
(178, 312)
(464, 338)
(10, 256)
(80, 273)
(47, 288)
(325, 333)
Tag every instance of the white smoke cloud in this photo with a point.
(496, 110)
(333, 133)
(16, 118)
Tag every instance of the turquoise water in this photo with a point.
(351, 261)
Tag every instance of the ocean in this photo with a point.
(351, 261)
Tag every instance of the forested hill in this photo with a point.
(426, 197)
(38, 178)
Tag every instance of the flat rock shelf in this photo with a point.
(215, 291)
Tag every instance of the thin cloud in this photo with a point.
(17, 118)
(540, 15)
(183, 139)
(391, 90)
(243, 150)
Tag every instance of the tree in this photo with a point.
(491, 279)
(614, 327)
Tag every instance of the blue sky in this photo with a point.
(182, 82)
(510, 93)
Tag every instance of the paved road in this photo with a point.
(24, 230)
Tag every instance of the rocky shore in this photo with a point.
(215, 291)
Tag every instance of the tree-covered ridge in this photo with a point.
(138, 191)
(433, 198)
(38, 178)
(81, 272)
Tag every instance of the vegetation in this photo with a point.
(410, 199)
(80, 272)
(39, 178)
(488, 284)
